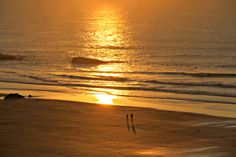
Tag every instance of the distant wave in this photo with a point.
(90, 61)
(132, 87)
(30, 89)
(30, 83)
(123, 79)
(134, 96)
(142, 47)
(101, 78)
(152, 89)
(202, 84)
(216, 75)
(92, 88)
(155, 89)
(219, 75)
(115, 47)
(45, 81)
(118, 79)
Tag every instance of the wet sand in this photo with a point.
(50, 128)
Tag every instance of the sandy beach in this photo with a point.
(117, 78)
(49, 128)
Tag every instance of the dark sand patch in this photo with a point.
(4, 57)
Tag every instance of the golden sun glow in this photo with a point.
(108, 30)
(108, 68)
(104, 98)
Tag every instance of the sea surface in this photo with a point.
(173, 54)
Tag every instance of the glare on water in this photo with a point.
(105, 99)
(107, 28)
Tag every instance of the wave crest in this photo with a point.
(90, 61)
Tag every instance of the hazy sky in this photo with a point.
(134, 9)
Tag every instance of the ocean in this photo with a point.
(171, 55)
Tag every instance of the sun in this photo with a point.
(104, 98)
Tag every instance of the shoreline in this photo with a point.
(38, 127)
(74, 102)
(208, 109)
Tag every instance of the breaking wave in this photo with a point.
(90, 61)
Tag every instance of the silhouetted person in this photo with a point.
(127, 121)
(132, 118)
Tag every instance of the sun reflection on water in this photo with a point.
(108, 68)
(107, 34)
(108, 27)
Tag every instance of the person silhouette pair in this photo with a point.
(132, 122)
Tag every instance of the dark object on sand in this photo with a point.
(30, 96)
(132, 118)
(9, 57)
(13, 96)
